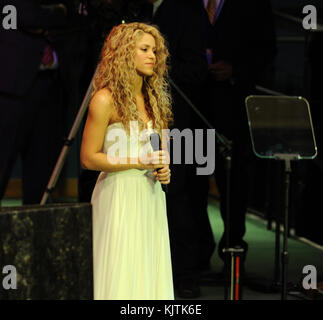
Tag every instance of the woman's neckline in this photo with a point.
(146, 123)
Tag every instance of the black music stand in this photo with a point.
(281, 129)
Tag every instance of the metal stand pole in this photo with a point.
(233, 284)
(279, 211)
(68, 142)
(276, 282)
(284, 257)
(228, 177)
(227, 228)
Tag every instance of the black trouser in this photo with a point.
(191, 237)
(238, 195)
(30, 127)
(227, 112)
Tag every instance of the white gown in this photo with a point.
(131, 252)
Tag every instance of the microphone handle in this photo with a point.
(164, 186)
(156, 145)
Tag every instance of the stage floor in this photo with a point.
(260, 262)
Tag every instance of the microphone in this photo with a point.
(156, 145)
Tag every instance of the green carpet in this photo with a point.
(260, 261)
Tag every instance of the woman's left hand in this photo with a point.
(163, 175)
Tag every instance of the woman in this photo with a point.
(130, 232)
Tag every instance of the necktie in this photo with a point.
(210, 9)
(48, 57)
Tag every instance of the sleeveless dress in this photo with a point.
(131, 251)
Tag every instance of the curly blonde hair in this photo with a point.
(116, 71)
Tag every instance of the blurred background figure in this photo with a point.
(103, 15)
(182, 24)
(30, 110)
(241, 45)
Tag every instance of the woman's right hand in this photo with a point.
(154, 160)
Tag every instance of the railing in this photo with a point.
(292, 18)
(302, 38)
(269, 91)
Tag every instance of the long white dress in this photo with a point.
(131, 252)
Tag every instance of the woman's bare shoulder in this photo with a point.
(101, 103)
(102, 97)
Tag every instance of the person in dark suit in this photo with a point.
(29, 113)
(241, 44)
(182, 24)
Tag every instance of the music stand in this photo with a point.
(281, 129)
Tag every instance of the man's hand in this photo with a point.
(221, 70)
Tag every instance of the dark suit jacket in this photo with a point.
(21, 51)
(182, 24)
(244, 35)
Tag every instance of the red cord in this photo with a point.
(237, 278)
